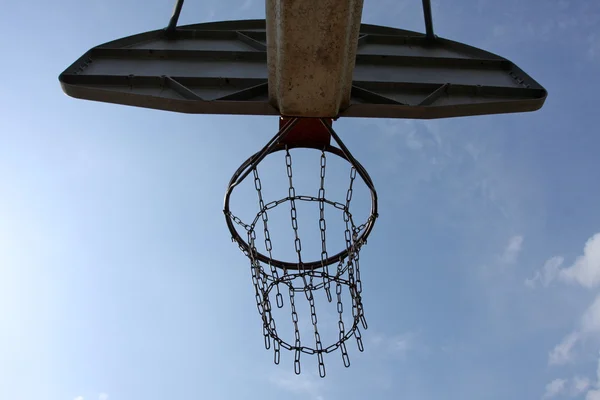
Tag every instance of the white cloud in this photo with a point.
(376, 339)
(563, 352)
(499, 31)
(594, 394)
(594, 46)
(401, 344)
(590, 322)
(512, 249)
(548, 273)
(78, 398)
(246, 5)
(586, 269)
(103, 396)
(412, 141)
(579, 385)
(555, 388)
(307, 384)
(396, 345)
(572, 387)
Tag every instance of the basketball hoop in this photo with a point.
(270, 275)
(316, 61)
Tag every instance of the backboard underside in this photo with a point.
(221, 68)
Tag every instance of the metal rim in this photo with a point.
(274, 146)
(357, 319)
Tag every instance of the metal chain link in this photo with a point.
(298, 247)
(268, 243)
(323, 227)
(297, 344)
(347, 271)
(307, 284)
(293, 212)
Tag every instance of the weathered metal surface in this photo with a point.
(222, 68)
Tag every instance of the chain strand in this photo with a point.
(268, 279)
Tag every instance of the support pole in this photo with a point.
(311, 51)
(175, 16)
(428, 19)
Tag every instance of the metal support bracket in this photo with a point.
(175, 16)
(428, 20)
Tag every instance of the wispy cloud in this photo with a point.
(513, 249)
(395, 345)
(590, 322)
(594, 46)
(579, 385)
(565, 23)
(78, 398)
(589, 325)
(563, 352)
(594, 392)
(401, 344)
(307, 384)
(103, 396)
(464, 169)
(547, 274)
(555, 388)
(246, 5)
(585, 271)
(593, 395)
(572, 387)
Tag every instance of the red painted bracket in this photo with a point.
(308, 132)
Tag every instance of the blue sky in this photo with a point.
(118, 279)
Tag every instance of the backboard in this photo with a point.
(221, 68)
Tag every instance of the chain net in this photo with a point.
(297, 281)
